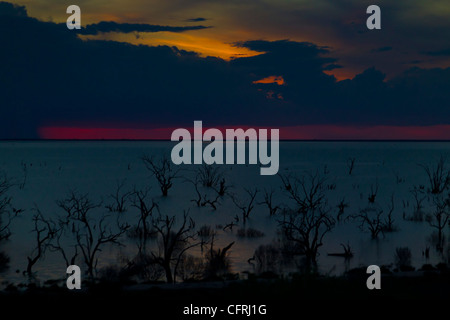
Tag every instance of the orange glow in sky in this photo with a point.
(272, 79)
(205, 46)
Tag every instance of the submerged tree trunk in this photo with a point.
(168, 272)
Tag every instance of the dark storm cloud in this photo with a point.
(51, 77)
(8, 9)
(416, 97)
(308, 90)
(284, 56)
(411, 26)
(196, 20)
(110, 26)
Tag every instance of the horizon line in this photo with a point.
(281, 140)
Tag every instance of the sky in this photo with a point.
(138, 69)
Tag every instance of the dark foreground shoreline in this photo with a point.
(279, 295)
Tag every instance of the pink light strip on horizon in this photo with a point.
(307, 132)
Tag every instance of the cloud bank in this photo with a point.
(51, 78)
(111, 26)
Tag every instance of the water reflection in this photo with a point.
(95, 168)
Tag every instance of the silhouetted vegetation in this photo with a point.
(267, 258)
(173, 242)
(6, 210)
(389, 222)
(268, 201)
(210, 175)
(217, 262)
(143, 231)
(88, 233)
(206, 198)
(206, 234)
(45, 231)
(348, 253)
(307, 191)
(438, 176)
(163, 170)
(439, 218)
(7, 215)
(4, 262)
(403, 258)
(370, 219)
(419, 198)
(169, 247)
(341, 206)
(351, 165)
(310, 220)
(246, 206)
(373, 193)
(119, 198)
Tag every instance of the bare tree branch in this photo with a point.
(247, 205)
(438, 176)
(119, 198)
(309, 222)
(90, 233)
(268, 201)
(371, 219)
(143, 231)
(439, 218)
(45, 231)
(7, 212)
(163, 170)
(174, 242)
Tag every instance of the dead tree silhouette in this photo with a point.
(217, 262)
(173, 242)
(268, 201)
(203, 199)
(389, 223)
(439, 218)
(307, 223)
(419, 198)
(246, 206)
(6, 214)
(119, 198)
(370, 218)
(438, 176)
(307, 191)
(210, 175)
(163, 170)
(351, 165)
(143, 231)
(56, 246)
(373, 192)
(90, 231)
(341, 206)
(45, 231)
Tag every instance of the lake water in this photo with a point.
(95, 167)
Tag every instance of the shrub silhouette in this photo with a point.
(217, 262)
(403, 258)
(438, 176)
